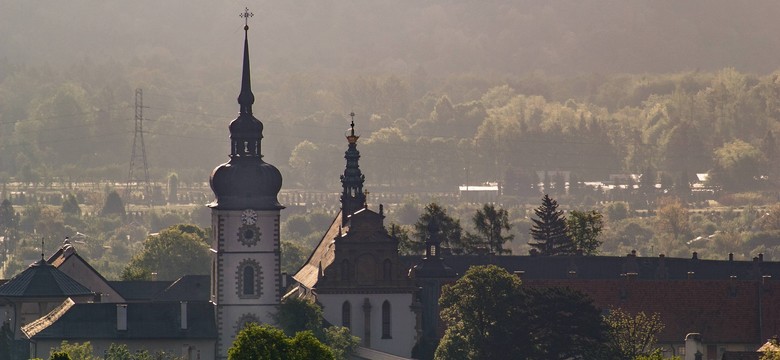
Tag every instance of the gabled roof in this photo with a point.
(322, 256)
(68, 252)
(187, 288)
(155, 320)
(139, 290)
(42, 280)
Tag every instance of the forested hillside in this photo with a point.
(443, 91)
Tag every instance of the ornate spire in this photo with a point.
(352, 197)
(246, 181)
(246, 98)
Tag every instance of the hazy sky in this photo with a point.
(499, 37)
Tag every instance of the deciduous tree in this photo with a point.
(174, 252)
(490, 224)
(632, 335)
(449, 228)
(584, 228)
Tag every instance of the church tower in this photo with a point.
(352, 196)
(245, 221)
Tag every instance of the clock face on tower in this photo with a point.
(249, 217)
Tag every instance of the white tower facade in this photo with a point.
(245, 221)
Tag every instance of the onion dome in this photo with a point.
(246, 181)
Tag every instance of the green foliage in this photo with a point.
(77, 351)
(119, 352)
(266, 342)
(672, 219)
(305, 346)
(633, 335)
(490, 316)
(584, 228)
(71, 206)
(341, 341)
(113, 205)
(549, 230)
(617, 211)
(738, 166)
(174, 252)
(59, 355)
(296, 315)
(482, 311)
(490, 224)
(173, 188)
(293, 256)
(772, 351)
(449, 228)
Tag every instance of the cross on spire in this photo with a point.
(246, 15)
(352, 124)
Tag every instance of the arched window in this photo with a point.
(387, 270)
(346, 314)
(249, 280)
(345, 270)
(386, 320)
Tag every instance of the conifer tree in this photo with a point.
(549, 230)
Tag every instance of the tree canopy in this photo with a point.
(489, 315)
(176, 251)
(490, 224)
(266, 342)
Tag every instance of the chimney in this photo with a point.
(760, 257)
(121, 317)
(695, 256)
(183, 305)
(731, 256)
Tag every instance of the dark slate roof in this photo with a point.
(42, 280)
(723, 311)
(611, 267)
(139, 290)
(187, 288)
(741, 355)
(322, 256)
(155, 320)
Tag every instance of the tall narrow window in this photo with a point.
(346, 314)
(386, 320)
(249, 280)
(387, 270)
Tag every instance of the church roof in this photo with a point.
(611, 267)
(42, 280)
(322, 256)
(155, 320)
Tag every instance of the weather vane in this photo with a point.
(352, 125)
(246, 15)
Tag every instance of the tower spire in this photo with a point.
(246, 98)
(352, 197)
